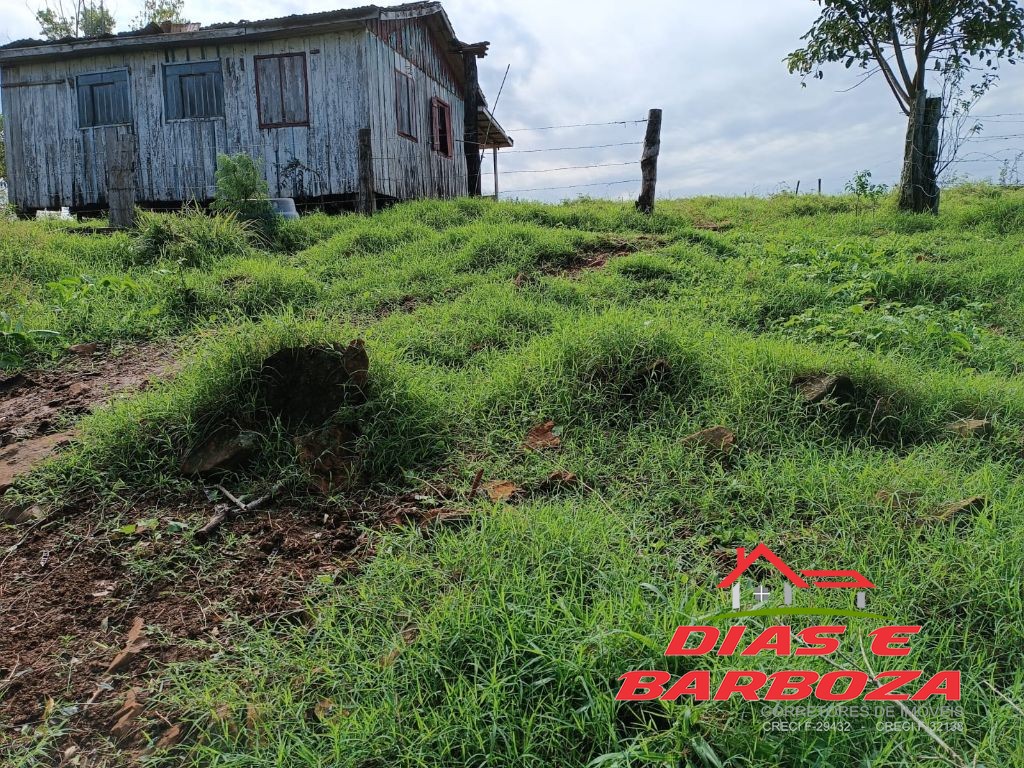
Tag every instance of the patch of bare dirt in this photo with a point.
(38, 408)
(597, 257)
(712, 226)
(90, 611)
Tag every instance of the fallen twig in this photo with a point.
(230, 497)
(224, 512)
(214, 523)
(476, 483)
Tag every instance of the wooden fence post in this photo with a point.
(121, 182)
(819, 186)
(494, 156)
(366, 198)
(649, 162)
(471, 133)
(797, 187)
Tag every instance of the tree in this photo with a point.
(158, 11)
(962, 42)
(77, 18)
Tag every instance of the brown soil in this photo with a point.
(38, 408)
(73, 587)
(75, 582)
(600, 256)
(95, 602)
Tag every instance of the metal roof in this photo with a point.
(171, 35)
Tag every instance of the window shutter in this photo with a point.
(404, 101)
(293, 93)
(268, 87)
(282, 90)
(193, 90)
(103, 99)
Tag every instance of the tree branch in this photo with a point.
(920, 49)
(897, 46)
(902, 96)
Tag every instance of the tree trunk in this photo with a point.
(919, 188)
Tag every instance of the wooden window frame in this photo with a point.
(128, 97)
(305, 82)
(435, 104)
(223, 105)
(398, 106)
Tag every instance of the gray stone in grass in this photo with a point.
(817, 387)
(87, 349)
(18, 514)
(221, 452)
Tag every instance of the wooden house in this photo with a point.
(333, 105)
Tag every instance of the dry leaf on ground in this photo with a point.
(543, 437)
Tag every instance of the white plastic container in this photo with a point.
(285, 207)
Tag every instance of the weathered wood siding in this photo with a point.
(405, 168)
(53, 162)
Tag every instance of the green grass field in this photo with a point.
(499, 642)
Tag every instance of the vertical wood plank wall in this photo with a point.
(404, 168)
(52, 162)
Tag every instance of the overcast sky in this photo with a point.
(735, 122)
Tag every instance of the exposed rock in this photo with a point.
(88, 349)
(135, 644)
(330, 458)
(125, 721)
(970, 427)
(816, 387)
(223, 451)
(169, 738)
(717, 439)
(307, 385)
(18, 514)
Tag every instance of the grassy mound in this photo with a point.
(500, 642)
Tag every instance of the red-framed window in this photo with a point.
(442, 140)
(282, 90)
(405, 97)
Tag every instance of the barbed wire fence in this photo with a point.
(397, 152)
(569, 164)
(1006, 148)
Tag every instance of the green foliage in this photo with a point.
(952, 37)
(242, 191)
(82, 18)
(963, 42)
(861, 186)
(16, 341)
(191, 238)
(159, 11)
(499, 642)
